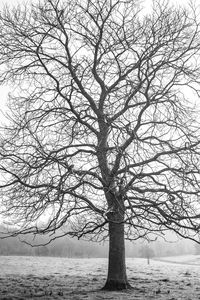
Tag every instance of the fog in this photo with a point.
(71, 247)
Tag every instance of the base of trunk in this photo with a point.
(113, 285)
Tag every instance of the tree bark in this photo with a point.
(116, 279)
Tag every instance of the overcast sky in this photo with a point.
(147, 2)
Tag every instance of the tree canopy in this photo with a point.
(101, 109)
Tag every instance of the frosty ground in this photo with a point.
(63, 278)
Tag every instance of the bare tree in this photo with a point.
(147, 252)
(103, 138)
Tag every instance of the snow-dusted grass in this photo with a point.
(62, 278)
(182, 259)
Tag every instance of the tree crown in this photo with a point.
(103, 120)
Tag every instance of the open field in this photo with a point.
(62, 278)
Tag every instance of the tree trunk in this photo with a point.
(116, 279)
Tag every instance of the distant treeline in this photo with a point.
(64, 247)
(68, 247)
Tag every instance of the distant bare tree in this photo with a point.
(147, 252)
(104, 134)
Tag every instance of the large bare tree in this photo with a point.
(103, 134)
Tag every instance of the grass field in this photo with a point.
(173, 278)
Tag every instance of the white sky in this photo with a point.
(4, 90)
